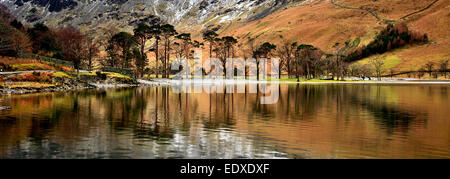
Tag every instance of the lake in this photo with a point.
(307, 121)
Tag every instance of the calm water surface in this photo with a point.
(308, 121)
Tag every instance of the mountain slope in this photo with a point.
(321, 23)
(123, 14)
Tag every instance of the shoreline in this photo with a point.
(169, 82)
(20, 91)
(242, 81)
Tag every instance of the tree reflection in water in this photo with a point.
(318, 120)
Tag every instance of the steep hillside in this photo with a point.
(95, 15)
(323, 23)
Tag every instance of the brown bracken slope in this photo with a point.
(324, 23)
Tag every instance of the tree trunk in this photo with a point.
(165, 60)
(288, 65)
(279, 70)
(257, 69)
(157, 57)
(307, 71)
(143, 47)
(210, 49)
(90, 63)
(341, 68)
(124, 58)
(168, 58)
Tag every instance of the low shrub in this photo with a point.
(27, 77)
(101, 75)
(15, 60)
(68, 69)
(61, 75)
(23, 64)
(33, 77)
(5, 67)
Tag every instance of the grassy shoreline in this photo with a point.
(48, 81)
(37, 87)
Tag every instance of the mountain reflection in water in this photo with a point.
(308, 121)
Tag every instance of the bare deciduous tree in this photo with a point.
(429, 67)
(378, 65)
(72, 46)
(342, 54)
(444, 67)
(92, 51)
(12, 41)
(286, 54)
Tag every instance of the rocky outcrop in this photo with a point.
(51, 5)
(95, 14)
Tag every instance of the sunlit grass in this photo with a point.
(88, 74)
(116, 75)
(108, 74)
(61, 75)
(35, 85)
(390, 61)
(31, 66)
